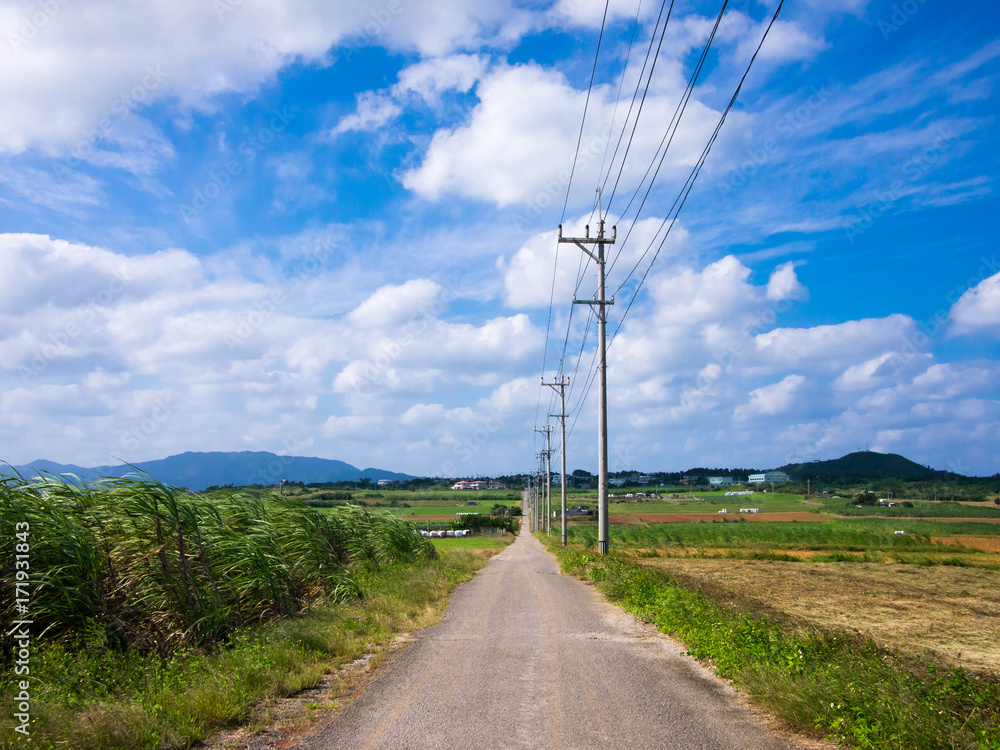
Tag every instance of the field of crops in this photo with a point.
(158, 569)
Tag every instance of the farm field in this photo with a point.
(953, 613)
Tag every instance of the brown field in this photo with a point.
(985, 543)
(954, 613)
(801, 517)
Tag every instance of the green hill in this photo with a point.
(865, 466)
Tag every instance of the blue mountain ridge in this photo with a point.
(196, 471)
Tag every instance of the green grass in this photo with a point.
(922, 526)
(160, 569)
(842, 687)
(101, 697)
(732, 534)
(920, 509)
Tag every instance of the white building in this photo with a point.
(720, 481)
(466, 485)
(770, 477)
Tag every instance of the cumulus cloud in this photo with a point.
(978, 310)
(770, 400)
(520, 139)
(392, 305)
(128, 337)
(784, 284)
(77, 61)
(373, 111)
(431, 78)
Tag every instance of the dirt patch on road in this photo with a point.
(799, 517)
(952, 612)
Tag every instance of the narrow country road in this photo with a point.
(529, 658)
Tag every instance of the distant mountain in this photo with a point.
(196, 471)
(864, 466)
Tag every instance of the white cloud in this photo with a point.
(978, 310)
(784, 284)
(80, 65)
(770, 400)
(431, 78)
(393, 305)
(373, 111)
(829, 346)
(519, 143)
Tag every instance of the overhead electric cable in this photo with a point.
(642, 102)
(569, 184)
(667, 140)
(695, 172)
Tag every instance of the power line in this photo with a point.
(621, 85)
(642, 102)
(635, 93)
(569, 184)
(667, 140)
(695, 172)
(586, 105)
(681, 199)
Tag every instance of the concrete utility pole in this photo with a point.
(602, 366)
(560, 385)
(546, 464)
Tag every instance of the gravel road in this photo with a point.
(529, 658)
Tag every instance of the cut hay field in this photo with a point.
(951, 612)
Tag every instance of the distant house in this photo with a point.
(386, 482)
(617, 482)
(720, 481)
(769, 477)
(467, 485)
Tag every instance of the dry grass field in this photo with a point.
(952, 612)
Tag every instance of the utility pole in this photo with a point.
(546, 467)
(560, 385)
(602, 366)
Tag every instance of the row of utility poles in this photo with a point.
(537, 499)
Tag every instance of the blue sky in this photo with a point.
(237, 225)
